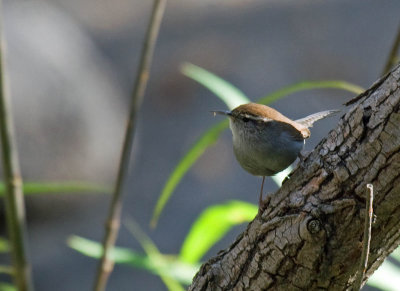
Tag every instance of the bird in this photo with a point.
(265, 142)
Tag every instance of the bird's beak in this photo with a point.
(226, 112)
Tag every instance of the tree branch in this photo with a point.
(310, 235)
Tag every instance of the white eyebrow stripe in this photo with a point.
(257, 118)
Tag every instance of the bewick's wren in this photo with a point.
(265, 141)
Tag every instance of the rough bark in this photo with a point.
(309, 237)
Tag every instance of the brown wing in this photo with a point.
(292, 131)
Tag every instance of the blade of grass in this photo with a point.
(386, 277)
(180, 271)
(59, 187)
(396, 254)
(120, 255)
(7, 287)
(14, 197)
(310, 85)
(228, 93)
(4, 245)
(279, 177)
(154, 255)
(393, 57)
(184, 165)
(211, 225)
(6, 270)
(105, 266)
(212, 134)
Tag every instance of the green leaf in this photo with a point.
(4, 245)
(154, 255)
(212, 134)
(396, 254)
(7, 287)
(120, 255)
(386, 278)
(279, 177)
(185, 164)
(57, 187)
(228, 93)
(310, 85)
(175, 269)
(213, 223)
(6, 270)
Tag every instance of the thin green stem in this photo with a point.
(393, 57)
(14, 198)
(106, 264)
(31, 188)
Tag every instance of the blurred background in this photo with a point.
(72, 66)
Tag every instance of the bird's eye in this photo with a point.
(245, 119)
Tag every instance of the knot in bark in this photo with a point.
(314, 226)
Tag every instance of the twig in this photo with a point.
(366, 239)
(393, 55)
(113, 221)
(14, 198)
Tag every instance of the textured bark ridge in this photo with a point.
(310, 235)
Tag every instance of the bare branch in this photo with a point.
(113, 221)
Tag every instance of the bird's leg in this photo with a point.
(260, 199)
(262, 203)
(303, 154)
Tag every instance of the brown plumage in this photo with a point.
(268, 113)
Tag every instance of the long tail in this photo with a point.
(309, 120)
